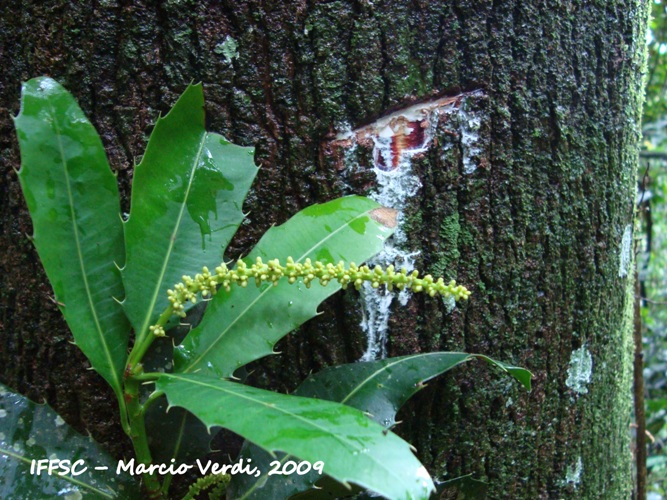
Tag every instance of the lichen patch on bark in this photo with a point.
(580, 371)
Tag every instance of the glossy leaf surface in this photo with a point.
(73, 200)
(176, 434)
(378, 388)
(187, 196)
(352, 447)
(244, 324)
(29, 431)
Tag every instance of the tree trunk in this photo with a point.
(526, 197)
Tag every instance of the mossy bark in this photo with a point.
(535, 231)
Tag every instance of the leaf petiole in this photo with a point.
(139, 350)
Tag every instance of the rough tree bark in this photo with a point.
(539, 230)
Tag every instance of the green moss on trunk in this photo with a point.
(535, 230)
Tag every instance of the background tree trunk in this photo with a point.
(539, 231)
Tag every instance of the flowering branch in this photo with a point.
(207, 284)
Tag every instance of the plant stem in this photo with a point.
(136, 412)
(149, 377)
(147, 338)
(124, 421)
(133, 417)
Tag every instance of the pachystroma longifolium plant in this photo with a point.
(115, 279)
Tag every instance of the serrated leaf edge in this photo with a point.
(98, 328)
(398, 362)
(172, 241)
(194, 363)
(275, 408)
(263, 478)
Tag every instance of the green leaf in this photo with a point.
(522, 375)
(73, 199)
(187, 196)
(244, 324)
(378, 388)
(352, 447)
(29, 431)
(176, 434)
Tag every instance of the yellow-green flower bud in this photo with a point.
(273, 271)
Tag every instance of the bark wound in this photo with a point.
(396, 139)
(405, 133)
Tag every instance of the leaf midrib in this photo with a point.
(367, 380)
(271, 407)
(172, 241)
(98, 326)
(390, 365)
(251, 399)
(266, 290)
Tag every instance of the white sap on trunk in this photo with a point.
(396, 186)
(396, 140)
